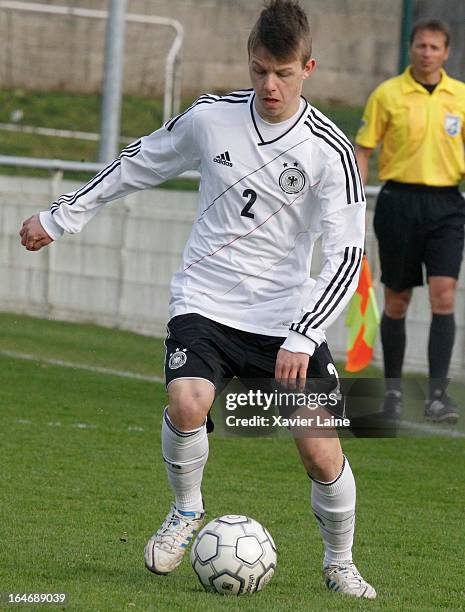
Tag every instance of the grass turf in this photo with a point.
(83, 486)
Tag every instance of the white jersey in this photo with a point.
(263, 204)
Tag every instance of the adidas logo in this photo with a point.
(223, 159)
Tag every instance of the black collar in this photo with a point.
(263, 142)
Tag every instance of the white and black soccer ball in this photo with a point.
(234, 555)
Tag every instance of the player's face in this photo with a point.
(428, 52)
(277, 84)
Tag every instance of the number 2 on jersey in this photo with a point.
(252, 195)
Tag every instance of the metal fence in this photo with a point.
(27, 30)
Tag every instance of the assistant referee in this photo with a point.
(419, 119)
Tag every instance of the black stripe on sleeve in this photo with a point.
(135, 146)
(322, 119)
(334, 291)
(319, 318)
(240, 93)
(231, 98)
(244, 101)
(341, 155)
(94, 182)
(349, 152)
(205, 99)
(334, 280)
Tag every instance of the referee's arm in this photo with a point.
(363, 155)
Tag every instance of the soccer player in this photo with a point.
(419, 117)
(275, 175)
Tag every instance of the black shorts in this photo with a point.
(417, 225)
(197, 347)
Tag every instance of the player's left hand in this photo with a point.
(291, 368)
(33, 235)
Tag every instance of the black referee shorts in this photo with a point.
(197, 347)
(418, 225)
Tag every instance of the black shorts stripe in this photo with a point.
(349, 151)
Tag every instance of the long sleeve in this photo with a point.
(343, 232)
(145, 163)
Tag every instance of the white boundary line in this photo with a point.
(431, 429)
(30, 129)
(55, 424)
(422, 427)
(81, 366)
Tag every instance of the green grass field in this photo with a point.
(83, 487)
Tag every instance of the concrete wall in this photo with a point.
(355, 42)
(453, 12)
(117, 271)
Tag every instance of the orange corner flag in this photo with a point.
(362, 321)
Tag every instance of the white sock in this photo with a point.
(185, 454)
(333, 504)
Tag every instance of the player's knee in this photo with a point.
(322, 463)
(188, 410)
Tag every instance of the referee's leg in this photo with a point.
(393, 335)
(400, 259)
(439, 406)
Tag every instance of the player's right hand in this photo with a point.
(33, 235)
(291, 369)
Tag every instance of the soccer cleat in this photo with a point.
(345, 578)
(166, 548)
(441, 409)
(391, 408)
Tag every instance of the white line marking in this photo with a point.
(83, 426)
(424, 427)
(130, 428)
(432, 429)
(81, 366)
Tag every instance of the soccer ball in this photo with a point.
(234, 555)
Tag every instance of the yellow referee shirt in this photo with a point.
(422, 134)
